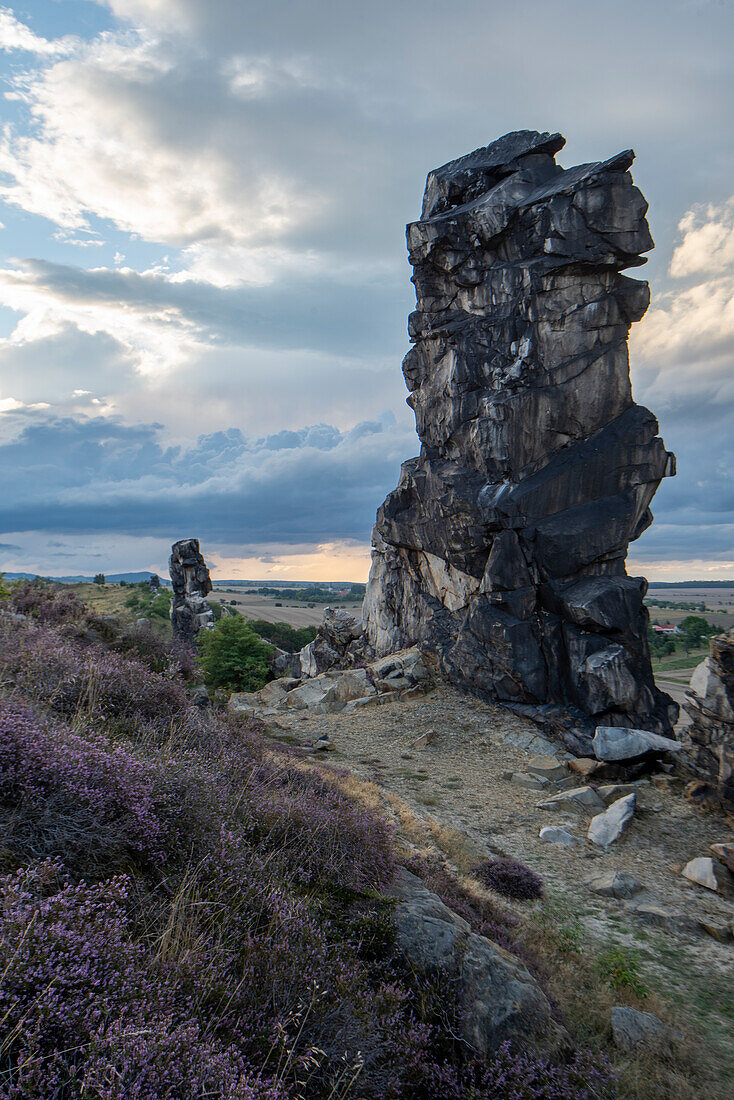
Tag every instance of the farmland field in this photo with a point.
(719, 604)
(254, 606)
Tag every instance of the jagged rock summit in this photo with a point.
(191, 584)
(503, 547)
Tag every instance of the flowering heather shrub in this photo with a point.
(517, 1075)
(88, 1012)
(510, 878)
(48, 668)
(75, 795)
(156, 653)
(322, 834)
(246, 953)
(46, 603)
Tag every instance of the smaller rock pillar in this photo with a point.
(191, 582)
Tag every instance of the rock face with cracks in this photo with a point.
(503, 546)
(191, 583)
(710, 703)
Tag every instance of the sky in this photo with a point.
(203, 279)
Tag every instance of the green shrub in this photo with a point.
(619, 967)
(285, 636)
(161, 606)
(232, 656)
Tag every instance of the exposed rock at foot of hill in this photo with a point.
(339, 643)
(401, 675)
(191, 582)
(498, 998)
(710, 703)
(503, 547)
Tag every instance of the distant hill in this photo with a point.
(113, 578)
(692, 584)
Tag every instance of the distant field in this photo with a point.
(253, 606)
(719, 604)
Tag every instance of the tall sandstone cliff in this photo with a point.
(503, 547)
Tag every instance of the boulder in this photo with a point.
(615, 884)
(607, 827)
(502, 548)
(555, 834)
(581, 800)
(532, 782)
(329, 692)
(610, 792)
(708, 872)
(613, 743)
(244, 702)
(630, 1027)
(547, 767)
(372, 701)
(725, 854)
(498, 998)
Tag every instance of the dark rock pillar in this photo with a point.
(191, 582)
(503, 547)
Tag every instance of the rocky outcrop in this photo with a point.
(398, 676)
(498, 999)
(710, 703)
(503, 546)
(630, 1027)
(191, 582)
(339, 643)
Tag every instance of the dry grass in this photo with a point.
(674, 1068)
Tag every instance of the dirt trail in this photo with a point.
(458, 781)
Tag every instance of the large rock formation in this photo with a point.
(191, 582)
(503, 546)
(710, 703)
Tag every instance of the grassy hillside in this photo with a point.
(189, 910)
(184, 910)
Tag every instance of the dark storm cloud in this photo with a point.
(99, 475)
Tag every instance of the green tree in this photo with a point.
(283, 635)
(232, 656)
(99, 578)
(695, 628)
(161, 606)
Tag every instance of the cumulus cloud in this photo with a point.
(708, 241)
(683, 351)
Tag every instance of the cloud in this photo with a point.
(236, 178)
(708, 241)
(15, 35)
(315, 485)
